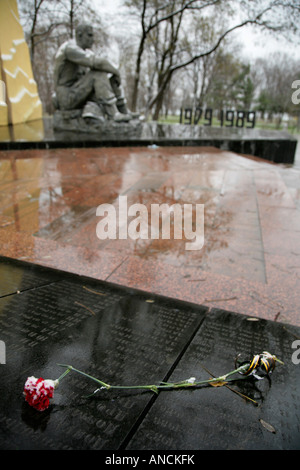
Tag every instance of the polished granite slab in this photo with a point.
(15, 279)
(125, 336)
(275, 146)
(223, 418)
(250, 261)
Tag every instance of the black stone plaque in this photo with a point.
(120, 336)
(15, 279)
(127, 337)
(220, 417)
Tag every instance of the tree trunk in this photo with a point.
(159, 97)
(158, 106)
(134, 96)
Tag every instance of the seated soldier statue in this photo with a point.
(81, 80)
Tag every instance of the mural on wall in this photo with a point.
(19, 98)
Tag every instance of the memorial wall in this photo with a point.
(19, 98)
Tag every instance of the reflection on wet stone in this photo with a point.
(276, 146)
(49, 200)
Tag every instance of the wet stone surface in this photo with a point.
(250, 261)
(119, 337)
(221, 418)
(127, 337)
(15, 279)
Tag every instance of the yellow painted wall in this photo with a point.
(21, 101)
(3, 104)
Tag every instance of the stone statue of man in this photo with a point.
(81, 80)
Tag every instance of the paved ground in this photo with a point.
(250, 262)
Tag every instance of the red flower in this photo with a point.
(38, 392)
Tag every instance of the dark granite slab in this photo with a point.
(111, 333)
(220, 418)
(124, 336)
(14, 279)
(275, 146)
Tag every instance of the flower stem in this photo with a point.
(103, 384)
(162, 386)
(63, 375)
(222, 378)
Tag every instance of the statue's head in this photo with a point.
(84, 36)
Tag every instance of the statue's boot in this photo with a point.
(122, 108)
(121, 117)
(92, 111)
(113, 113)
(120, 99)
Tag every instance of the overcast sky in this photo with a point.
(254, 44)
(258, 45)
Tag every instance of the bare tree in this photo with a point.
(152, 14)
(272, 15)
(277, 75)
(39, 18)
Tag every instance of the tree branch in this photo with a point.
(51, 27)
(221, 38)
(176, 12)
(168, 73)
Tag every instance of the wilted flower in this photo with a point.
(38, 392)
(260, 365)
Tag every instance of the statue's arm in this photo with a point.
(87, 58)
(80, 56)
(104, 66)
